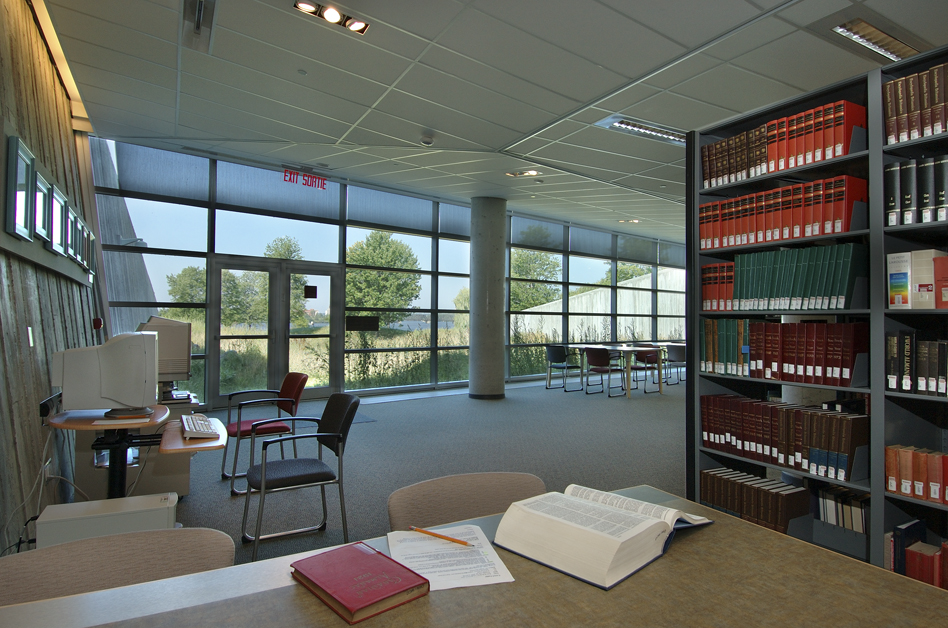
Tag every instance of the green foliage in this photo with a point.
(528, 264)
(382, 289)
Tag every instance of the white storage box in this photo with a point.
(60, 523)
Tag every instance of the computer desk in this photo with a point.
(117, 439)
(730, 573)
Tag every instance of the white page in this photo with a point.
(669, 515)
(449, 565)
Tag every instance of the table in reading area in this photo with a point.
(629, 352)
(117, 439)
(730, 573)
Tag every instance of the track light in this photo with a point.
(333, 16)
(869, 36)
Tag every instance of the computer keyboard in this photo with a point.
(197, 426)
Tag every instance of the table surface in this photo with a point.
(85, 420)
(173, 443)
(731, 573)
(629, 348)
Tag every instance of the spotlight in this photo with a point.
(427, 140)
(306, 7)
(331, 15)
(355, 25)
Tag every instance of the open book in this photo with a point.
(601, 538)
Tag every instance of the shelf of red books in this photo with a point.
(908, 522)
(920, 148)
(860, 467)
(776, 382)
(727, 253)
(855, 164)
(778, 313)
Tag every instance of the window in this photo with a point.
(42, 209)
(20, 191)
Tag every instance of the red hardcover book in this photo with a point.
(846, 116)
(834, 354)
(796, 211)
(786, 211)
(715, 225)
(772, 350)
(808, 138)
(816, 225)
(728, 286)
(829, 194)
(801, 138)
(759, 206)
(727, 217)
(791, 142)
(819, 362)
(807, 210)
(810, 330)
(888, 108)
(914, 106)
(800, 355)
(925, 102)
(940, 265)
(855, 340)
(935, 493)
(849, 190)
(748, 222)
(702, 224)
(782, 144)
(818, 140)
(901, 111)
(772, 146)
(920, 473)
(905, 471)
(358, 582)
(892, 468)
(788, 351)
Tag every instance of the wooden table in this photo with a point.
(731, 573)
(629, 353)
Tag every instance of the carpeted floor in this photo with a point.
(562, 438)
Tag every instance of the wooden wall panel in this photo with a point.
(35, 106)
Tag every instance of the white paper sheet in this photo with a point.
(449, 565)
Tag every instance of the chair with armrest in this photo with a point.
(644, 360)
(272, 476)
(115, 560)
(557, 358)
(287, 400)
(459, 497)
(676, 359)
(604, 362)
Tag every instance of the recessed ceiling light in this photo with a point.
(636, 220)
(306, 7)
(524, 173)
(355, 25)
(643, 129)
(302, 72)
(867, 35)
(331, 15)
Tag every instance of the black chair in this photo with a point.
(271, 476)
(604, 362)
(676, 359)
(557, 357)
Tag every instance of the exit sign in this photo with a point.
(306, 180)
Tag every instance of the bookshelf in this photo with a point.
(895, 417)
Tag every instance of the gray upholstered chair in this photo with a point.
(459, 497)
(116, 560)
(271, 476)
(557, 358)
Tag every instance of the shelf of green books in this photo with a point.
(917, 502)
(860, 467)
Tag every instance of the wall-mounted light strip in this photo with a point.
(867, 35)
(643, 129)
(333, 16)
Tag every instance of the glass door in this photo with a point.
(273, 316)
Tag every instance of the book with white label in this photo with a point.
(598, 537)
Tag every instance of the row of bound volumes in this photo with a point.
(812, 278)
(914, 105)
(917, 280)
(916, 472)
(806, 137)
(808, 439)
(914, 366)
(907, 553)
(844, 508)
(802, 210)
(811, 352)
(768, 503)
(916, 191)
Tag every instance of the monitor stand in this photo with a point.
(129, 413)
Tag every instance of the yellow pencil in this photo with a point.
(440, 536)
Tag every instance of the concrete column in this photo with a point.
(487, 320)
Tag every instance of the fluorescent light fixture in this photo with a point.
(867, 35)
(332, 15)
(643, 129)
(524, 173)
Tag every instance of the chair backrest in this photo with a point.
(677, 353)
(337, 417)
(556, 354)
(116, 560)
(596, 356)
(458, 497)
(292, 388)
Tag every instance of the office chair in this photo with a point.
(459, 497)
(272, 476)
(115, 560)
(602, 361)
(287, 400)
(557, 357)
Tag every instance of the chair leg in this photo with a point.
(256, 535)
(549, 376)
(224, 474)
(234, 475)
(342, 510)
(566, 376)
(621, 386)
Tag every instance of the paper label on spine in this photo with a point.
(892, 484)
(920, 490)
(935, 491)
(906, 487)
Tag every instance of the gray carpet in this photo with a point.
(562, 438)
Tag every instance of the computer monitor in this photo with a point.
(174, 348)
(120, 375)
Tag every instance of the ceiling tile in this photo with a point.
(677, 111)
(94, 95)
(88, 76)
(682, 71)
(686, 21)
(575, 155)
(732, 88)
(118, 38)
(750, 38)
(808, 11)
(131, 123)
(95, 56)
(622, 143)
(915, 16)
(402, 132)
(627, 97)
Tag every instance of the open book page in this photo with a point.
(584, 514)
(668, 515)
(449, 565)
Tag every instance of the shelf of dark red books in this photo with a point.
(777, 313)
(855, 164)
(778, 382)
(916, 396)
(728, 252)
(860, 467)
(917, 502)
(920, 148)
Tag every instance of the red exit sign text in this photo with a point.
(307, 180)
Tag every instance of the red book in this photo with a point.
(747, 219)
(846, 116)
(935, 472)
(772, 146)
(788, 351)
(703, 225)
(715, 220)
(819, 363)
(829, 191)
(892, 468)
(791, 141)
(809, 373)
(771, 215)
(848, 191)
(818, 134)
(782, 144)
(807, 210)
(801, 138)
(772, 346)
(799, 367)
(920, 473)
(786, 215)
(358, 582)
(941, 282)
(808, 136)
(833, 354)
(905, 471)
(796, 211)
(759, 202)
(828, 121)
